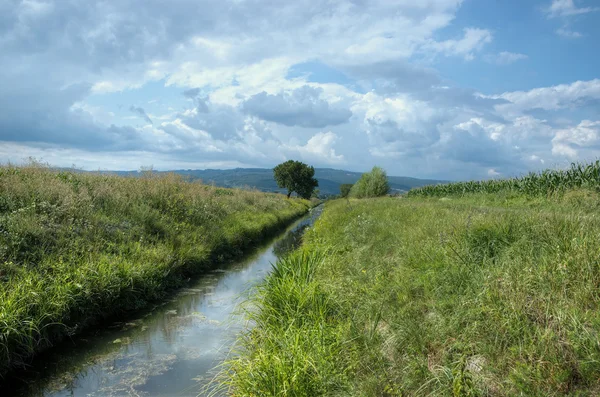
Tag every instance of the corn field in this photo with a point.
(546, 182)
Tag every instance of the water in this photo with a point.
(171, 350)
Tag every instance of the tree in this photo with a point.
(296, 176)
(371, 184)
(345, 189)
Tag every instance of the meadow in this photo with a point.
(435, 294)
(77, 248)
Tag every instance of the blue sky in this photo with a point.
(438, 88)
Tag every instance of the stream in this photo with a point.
(169, 350)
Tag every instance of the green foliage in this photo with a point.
(371, 184)
(578, 176)
(476, 296)
(78, 247)
(345, 189)
(296, 176)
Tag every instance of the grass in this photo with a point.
(288, 351)
(482, 295)
(78, 248)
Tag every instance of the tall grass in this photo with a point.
(76, 248)
(586, 176)
(434, 298)
(296, 347)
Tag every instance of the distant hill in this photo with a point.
(262, 179)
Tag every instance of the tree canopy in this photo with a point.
(295, 176)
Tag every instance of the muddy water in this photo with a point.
(171, 350)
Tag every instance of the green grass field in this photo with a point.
(77, 248)
(478, 295)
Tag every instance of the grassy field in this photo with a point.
(480, 295)
(77, 248)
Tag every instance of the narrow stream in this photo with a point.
(171, 350)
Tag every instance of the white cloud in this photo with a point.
(505, 58)
(240, 107)
(566, 8)
(557, 97)
(569, 34)
(473, 40)
(567, 142)
(319, 148)
(536, 159)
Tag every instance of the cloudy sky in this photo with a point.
(453, 89)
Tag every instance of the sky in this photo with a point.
(449, 89)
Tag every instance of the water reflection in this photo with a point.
(169, 350)
(289, 242)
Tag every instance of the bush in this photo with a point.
(371, 184)
(345, 189)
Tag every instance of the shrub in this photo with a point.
(371, 184)
(345, 189)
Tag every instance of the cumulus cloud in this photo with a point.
(300, 107)
(399, 126)
(318, 148)
(472, 142)
(221, 122)
(568, 141)
(221, 71)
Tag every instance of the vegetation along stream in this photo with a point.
(171, 350)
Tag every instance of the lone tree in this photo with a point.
(296, 176)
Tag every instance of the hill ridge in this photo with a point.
(329, 179)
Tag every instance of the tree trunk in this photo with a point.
(289, 194)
